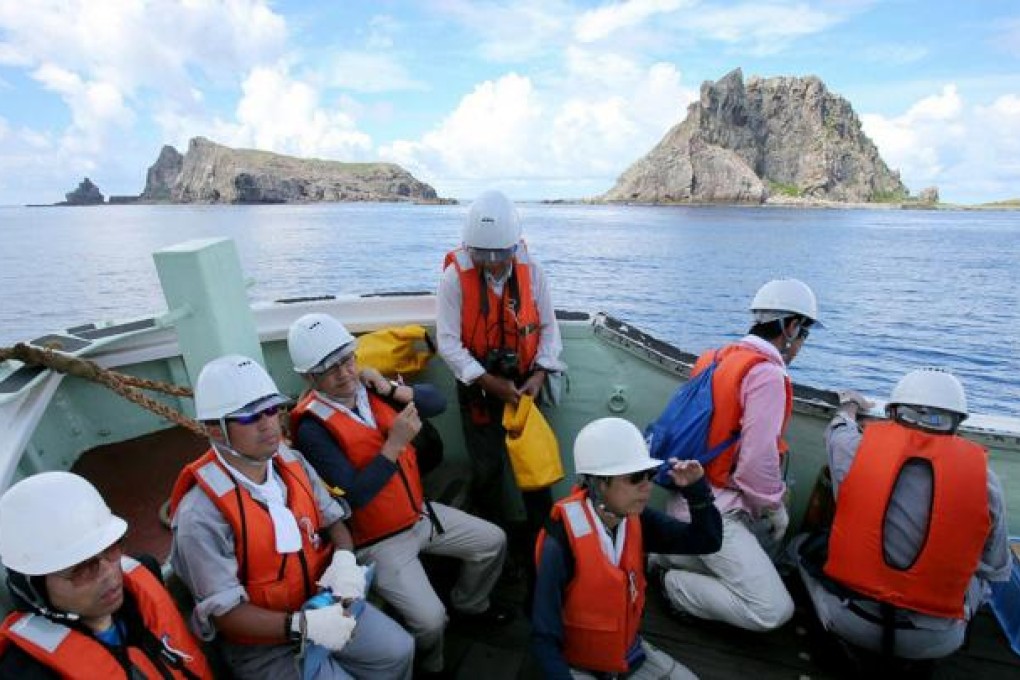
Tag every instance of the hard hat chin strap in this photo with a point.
(36, 601)
(597, 499)
(226, 447)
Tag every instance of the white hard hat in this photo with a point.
(234, 385)
(932, 387)
(781, 297)
(611, 446)
(52, 521)
(492, 223)
(313, 339)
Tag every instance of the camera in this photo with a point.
(501, 362)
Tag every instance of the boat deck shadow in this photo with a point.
(136, 476)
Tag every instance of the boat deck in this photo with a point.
(135, 477)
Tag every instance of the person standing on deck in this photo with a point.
(361, 445)
(255, 533)
(920, 525)
(590, 592)
(751, 394)
(82, 608)
(497, 331)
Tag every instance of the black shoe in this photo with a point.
(495, 616)
(657, 575)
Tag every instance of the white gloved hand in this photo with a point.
(777, 520)
(854, 397)
(344, 576)
(329, 627)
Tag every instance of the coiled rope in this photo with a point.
(127, 386)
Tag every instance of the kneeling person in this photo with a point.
(82, 608)
(255, 532)
(360, 444)
(590, 592)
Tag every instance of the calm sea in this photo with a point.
(897, 289)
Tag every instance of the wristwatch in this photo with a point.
(393, 389)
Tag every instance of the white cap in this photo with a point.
(780, 298)
(932, 387)
(316, 341)
(611, 446)
(492, 223)
(52, 521)
(234, 385)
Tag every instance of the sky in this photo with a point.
(541, 98)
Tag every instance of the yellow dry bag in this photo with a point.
(399, 350)
(534, 451)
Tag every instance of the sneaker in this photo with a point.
(495, 616)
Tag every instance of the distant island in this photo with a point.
(213, 173)
(781, 139)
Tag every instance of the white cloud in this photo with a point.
(1006, 36)
(514, 31)
(5, 128)
(583, 127)
(602, 22)
(895, 54)
(381, 31)
(277, 112)
(369, 72)
(761, 28)
(968, 151)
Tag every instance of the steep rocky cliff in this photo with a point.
(744, 142)
(86, 193)
(211, 173)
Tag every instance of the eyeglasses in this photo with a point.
(88, 571)
(636, 478)
(491, 254)
(254, 417)
(927, 417)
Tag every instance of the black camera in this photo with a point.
(502, 362)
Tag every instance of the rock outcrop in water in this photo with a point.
(87, 193)
(742, 143)
(212, 173)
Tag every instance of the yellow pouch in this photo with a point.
(534, 451)
(399, 350)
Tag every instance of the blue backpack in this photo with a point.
(681, 431)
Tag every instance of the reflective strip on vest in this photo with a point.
(578, 519)
(218, 480)
(323, 411)
(464, 260)
(286, 455)
(128, 564)
(41, 632)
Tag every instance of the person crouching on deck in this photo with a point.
(590, 590)
(256, 533)
(920, 525)
(82, 608)
(360, 441)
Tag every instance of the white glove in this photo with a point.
(777, 520)
(344, 576)
(854, 397)
(329, 627)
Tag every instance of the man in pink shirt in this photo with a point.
(752, 393)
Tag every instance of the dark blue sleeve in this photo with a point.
(325, 455)
(702, 535)
(547, 610)
(428, 399)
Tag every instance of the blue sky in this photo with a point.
(543, 98)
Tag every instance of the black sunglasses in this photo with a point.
(636, 478)
(254, 417)
(804, 332)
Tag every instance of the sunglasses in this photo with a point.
(636, 478)
(89, 570)
(803, 333)
(254, 417)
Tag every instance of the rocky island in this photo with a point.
(781, 139)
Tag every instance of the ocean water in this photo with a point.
(897, 289)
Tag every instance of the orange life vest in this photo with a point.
(398, 504)
(73, 654)
(603, 604)
(735, 361)
(502, 327)
(958, 524)
(273, 581)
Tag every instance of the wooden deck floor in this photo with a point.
(135, 478)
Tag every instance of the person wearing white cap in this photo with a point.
(256, 534)
(752, 400)
(83, 609)
(920, 525)
(590, 590)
